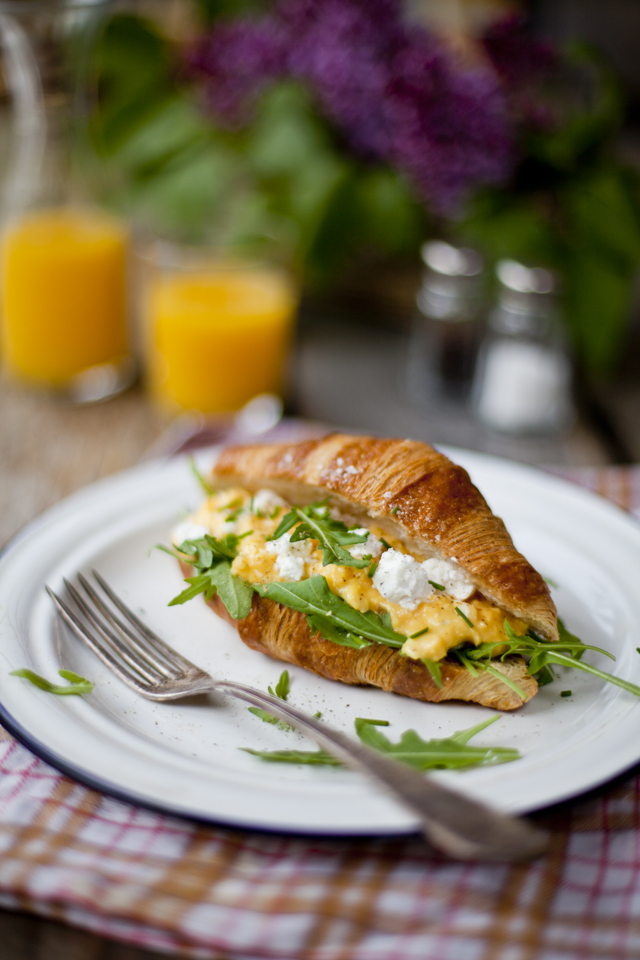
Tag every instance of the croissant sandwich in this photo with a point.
(368, 561)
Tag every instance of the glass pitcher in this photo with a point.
(63, 266)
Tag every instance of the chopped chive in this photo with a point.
(317, 715)
(437, 586)
(565, 693)
(637, 649)
(466, 619)
(384, 543)
(395, 510)
(376, 723)
(412, 636)
(372, 569)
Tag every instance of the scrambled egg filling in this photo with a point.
(235, 511)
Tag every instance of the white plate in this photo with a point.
(184, 757)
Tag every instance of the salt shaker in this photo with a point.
(446, 328)
(522, 383)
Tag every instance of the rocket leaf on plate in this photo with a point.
(77, 684)
(448, 753)
(282, 692)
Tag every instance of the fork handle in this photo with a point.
(463, 828)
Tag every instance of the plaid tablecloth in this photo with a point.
(193, 891)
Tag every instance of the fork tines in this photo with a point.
(127, 646)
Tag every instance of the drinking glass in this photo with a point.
(63, 261)
(217, 326)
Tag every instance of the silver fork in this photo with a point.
(462, 828)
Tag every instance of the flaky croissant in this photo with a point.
(417, 495)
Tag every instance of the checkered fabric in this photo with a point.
(193, 891)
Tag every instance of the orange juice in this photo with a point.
(63, 294)
(218, 336)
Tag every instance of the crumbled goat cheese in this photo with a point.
(188, 530)
(290, 557)
(451, 578)
(371, 545)
(266, 501)
(401, 579)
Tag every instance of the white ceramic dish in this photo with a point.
(184, 757)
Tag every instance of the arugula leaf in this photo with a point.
(208, 489)
(212, 558)
(330, 614)
(281, 691)
(235, 593)
(205, 551)
(295, 756)
(78, 685)
(266, 716)
(448, 753)
(566, 652)
(315, 523)
(329, 631)
(282, 686)
(434, 669)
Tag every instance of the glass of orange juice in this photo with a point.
(63, 262)
(63, 301)
(217, 327)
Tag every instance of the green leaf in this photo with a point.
(329, 612)
(235, 593)
(78, 685)
(282, 686)
(313, 757)
(329, 631)
(206, 486)
(211, 558)
(567, 652)
(199, 584)
(264, 715)
(434, 669)
(449, 753)
(282, 692)
(506, 680)
(315, 523)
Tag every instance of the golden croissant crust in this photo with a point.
(284, 634)
(415, 494)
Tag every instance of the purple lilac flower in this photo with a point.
(393, 91)
(239, 59)
(523, 63)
